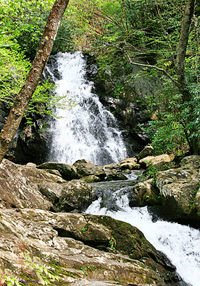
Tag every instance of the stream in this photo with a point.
(85, 129)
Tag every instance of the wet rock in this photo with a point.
(114, 176)
(91, 179)
(79, 248)
(144, 193)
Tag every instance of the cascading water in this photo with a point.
(83, 128)
(179, 242)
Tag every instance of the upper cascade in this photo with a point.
(83, 128)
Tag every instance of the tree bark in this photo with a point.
(187, 97)
(22, 99)
(182, 47)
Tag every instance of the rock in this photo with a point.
(153, 160)
(114, 176)
(91, 179)
(110, 167)
(180, 190)
(144, 193)
(87, 168)
(147, 151)
(33, 165)
(76, 195)
(192, 161)
(68, 172)
(79, 248)
(17, 190)
(28, 187)
(130, 163)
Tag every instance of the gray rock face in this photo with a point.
(68, 172)
(73, 247)
(87, 168)
(29, 187)
(180, 189)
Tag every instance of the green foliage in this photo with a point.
(26, 20)
(13, 69)
(44, 275)
(145, 32)
(13, 281)
(112, 243)
(21, 26)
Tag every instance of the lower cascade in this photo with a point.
(83, 128)
(180, 243)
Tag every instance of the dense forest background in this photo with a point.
(135, 43)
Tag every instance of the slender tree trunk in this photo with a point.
(194, 141)
(22, 99)
(182, 47)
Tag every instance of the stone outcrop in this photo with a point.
(154, 160)
(129, 163)
(79, 250)
(176, 188)
(86, 168)
(67, 172)
(29, 187)
(180, 190)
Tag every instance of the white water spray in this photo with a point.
(84, 129)
(179, 242)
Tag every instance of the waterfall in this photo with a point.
(179, 242)
(83, 128)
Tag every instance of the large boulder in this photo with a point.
(129, 163)
(180, 190)
(144, 193)
(87, 168)
(153, 160)
(78, 250)
(18, 191)
(68, 172)
(147, 151)
(76, 195)
(28, 187)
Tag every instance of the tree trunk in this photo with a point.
(22, 99)
(181, 49)
(187, 97)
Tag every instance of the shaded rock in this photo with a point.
(76, 195)
(153, 160)
(68, 245)
(114, 176)
(91, 179)
(87, 168)
(144, 193)
(147, 151)
(180, 190)
(29, 187)
(193, 161)
(68, 172)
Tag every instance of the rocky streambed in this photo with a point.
(46, 236)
